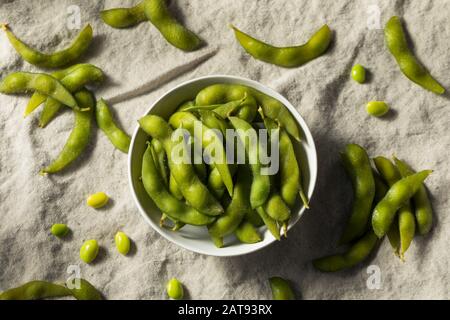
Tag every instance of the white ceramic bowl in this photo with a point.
(196, 238)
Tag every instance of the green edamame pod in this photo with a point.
(159, 156)
(86, 291)
(177, 35)
(253, 217)
(213, 121)
(22, 82)
(281, 289)
(54, 60)
(270, 223)
(399, 194)
(106, 123)
(73, 81)
(172, 207)
(356, 254)
(247, 233)
(124, 17)
(398, 46)
(35, 290)
(276, 208)
(238, 207)
(174, 189)
(193, 190)
(288, 57)
(422, 203)
(357, 165)
(79, 137)
(261, 183)
(402, 230)
(290, 175)
(209, 140)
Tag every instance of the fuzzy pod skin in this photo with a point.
(124, 17)
(23, 82)
(56, 59)
(288, 57)
(79, 137)
(176, 34)
(193, 190)
(401, 192)
(270, 223)
(106, 123)
(35, 290)
(396, 42)
(357, 164)
(247, 233)
(357, 253)
(167, 203)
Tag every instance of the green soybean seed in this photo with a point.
(377, 108)
(123, 243)
(288, 57)
(56, 59)
(281, 289)
(89, 251)
(106, 123)
(396, 42)
(175, 289)
(401, 192)
(23, 82)
(97, 200)
(59, 230)
(359, 73)
(357, 164)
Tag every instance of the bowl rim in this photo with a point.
(312, 167)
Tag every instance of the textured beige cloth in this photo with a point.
(330, 102)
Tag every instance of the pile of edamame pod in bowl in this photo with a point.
(390, 198)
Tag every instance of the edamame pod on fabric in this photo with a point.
(422, 203)
(73, 81)
(403, 228)
(281, 289)
(209, 140)
(238, 207)
(35, 290)
(193, 190)
(124, 17)
(357, 253)
(172, 207)
(53, 60)
(106, 123)
(411, 68)
(86, 291)
(79, 137)
(176, 34)
(288, 57)
(22, 82)
(261, 183)
(402, 191)
(357, 164)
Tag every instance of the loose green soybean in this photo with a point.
(359, 73)
(357, 165)
(175, 289)
(89, 251)
(411, 68)
(53, 60)
(356, 254)
(59, 230)
(281, 289)
(79, 137)
(123, 243)
(124, 17)
(193, 190)
(399, 194)
(261, 183)
(288, 57)
(106, 123)
(402, 230)
(22, 82)
(74, 82)
(172, 207)
(377, 108)
(422, 203)
(176, 34)
(238, 207)
(97, 200)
